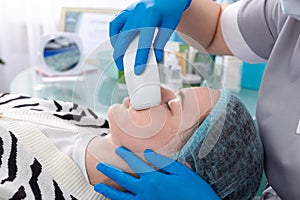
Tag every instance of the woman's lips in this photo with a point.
(126, 102)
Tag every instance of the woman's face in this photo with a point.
(164, 128)
(167, 125)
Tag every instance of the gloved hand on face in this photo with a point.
(173, 181)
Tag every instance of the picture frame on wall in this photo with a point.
(91, 24)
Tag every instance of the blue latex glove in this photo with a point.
(174, 181)
(143, 17)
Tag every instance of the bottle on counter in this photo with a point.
(174, 74)
(232, 73)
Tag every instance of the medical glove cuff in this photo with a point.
(188, 3)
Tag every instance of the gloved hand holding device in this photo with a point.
(143, 17)
(173, 181)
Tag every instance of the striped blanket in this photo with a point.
(31, 167)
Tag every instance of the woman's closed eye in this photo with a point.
(167, 105)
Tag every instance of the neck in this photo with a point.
(101, 149)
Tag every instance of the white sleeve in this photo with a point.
(233, 36)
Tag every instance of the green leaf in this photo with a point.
(1, 62)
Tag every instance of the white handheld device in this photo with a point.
(144, 90)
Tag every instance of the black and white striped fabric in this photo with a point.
(22, 176)
(78, 115)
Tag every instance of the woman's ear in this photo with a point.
(187, 164)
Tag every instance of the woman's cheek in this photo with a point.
(138, 129)
(147, 123)
(140, 118)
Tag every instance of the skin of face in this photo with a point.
(164, 128)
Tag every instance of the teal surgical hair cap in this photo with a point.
(226, 150)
